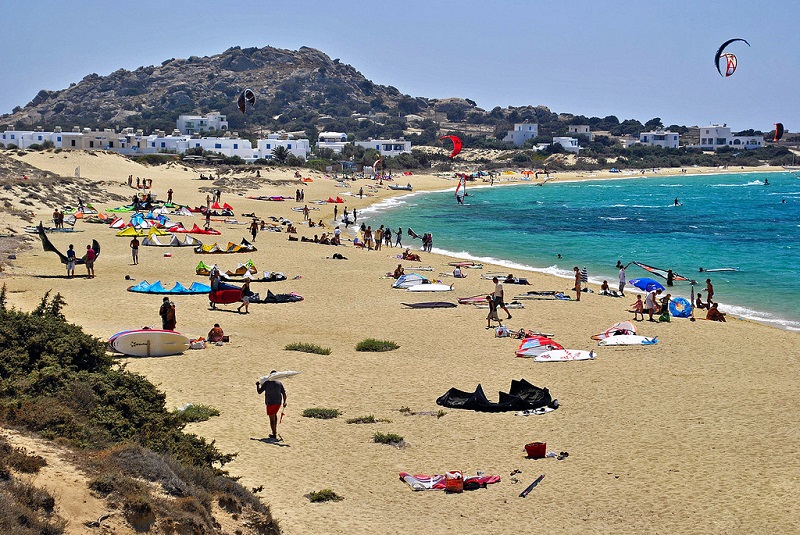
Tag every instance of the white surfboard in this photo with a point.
(430, 288)
(563, 355)
(150, 343)
(627, 340)
(276, 376)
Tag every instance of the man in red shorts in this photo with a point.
(274, 394)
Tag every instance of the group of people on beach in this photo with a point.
(141, 183)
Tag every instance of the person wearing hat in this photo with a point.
(167, 313)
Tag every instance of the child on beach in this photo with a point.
(638, 308)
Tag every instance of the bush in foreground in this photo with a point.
(367, 420)
(387, 438)
(371, 344)
(324, 495)
(195, 413)
(321, 413)
(308, 348)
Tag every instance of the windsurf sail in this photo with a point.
(663, 273)
(461, 189)
(619, 328)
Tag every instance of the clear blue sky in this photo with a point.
(593, 57)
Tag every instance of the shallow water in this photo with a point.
(725, 220)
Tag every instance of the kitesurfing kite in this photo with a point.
(778, 132)
(456, 145)
(247, 97)
(730, 59)
(48, 246)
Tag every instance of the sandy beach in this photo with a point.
(697, 434)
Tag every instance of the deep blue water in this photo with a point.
(725, 220)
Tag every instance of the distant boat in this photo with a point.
(407, 187)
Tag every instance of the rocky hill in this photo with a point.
(290, 86)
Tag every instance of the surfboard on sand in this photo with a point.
(430, 288)
(277, 375)
(150, 343)
(564, 355)
(627, 340)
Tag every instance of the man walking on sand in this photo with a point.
(498, 296)
(274, 394)
(135, 250)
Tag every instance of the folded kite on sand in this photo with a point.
(437, 482)
(521, 396)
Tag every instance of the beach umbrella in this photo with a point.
(646, 284)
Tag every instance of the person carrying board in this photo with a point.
(274, 394)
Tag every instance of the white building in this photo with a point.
(580, 130)
(570, 144)
(660, 138)
(521, 133)
(332, 140)
(226, 146)
(387, 147)
(714, 136)
(300, 148)
(23, 139)
(197, 124)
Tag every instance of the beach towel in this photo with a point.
(437, 482)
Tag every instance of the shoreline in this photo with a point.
(763, 317)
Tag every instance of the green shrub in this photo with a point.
(367, 420)
(195, 413)
(387, 438)
(324, 495)
(322, 414)
(371, 344)
(308, 348)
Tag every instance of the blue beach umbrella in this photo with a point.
(646, 284)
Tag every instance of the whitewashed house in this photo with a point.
(300, 148)
(580, 130)
(570, 144)
(332, 140)
(23, 139)
(387, 147)
(197, 124)
(521, 133)
(714, 136)
(660, 138)
(227, 146)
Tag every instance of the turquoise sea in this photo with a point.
(726, 220)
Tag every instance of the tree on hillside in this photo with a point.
(654, 124)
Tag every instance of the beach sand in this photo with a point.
(697, 434)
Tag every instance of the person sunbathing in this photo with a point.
(216, 334)
(714, 314)
(698, 303)
(457, 273)
(399, 271)
(407, 255)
